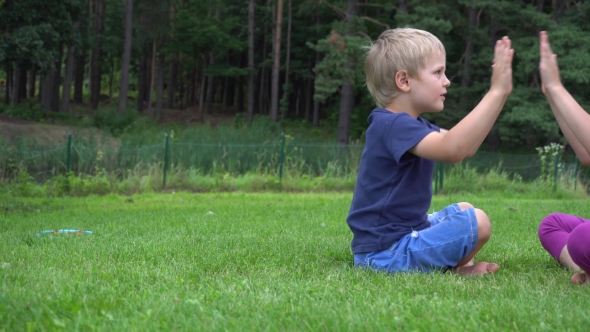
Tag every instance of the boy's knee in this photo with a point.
(484, 226)
(464, 206)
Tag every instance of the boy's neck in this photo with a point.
(399, 104)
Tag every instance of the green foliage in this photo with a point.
(23, 185)
(26, 111)
(550, 157)
(34, 29)
(109, 119)
(467, 179)
(334, 69)
(527, 119)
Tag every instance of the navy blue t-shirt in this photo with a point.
(394, 187)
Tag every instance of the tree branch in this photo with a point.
(338, 12)
(375, 21)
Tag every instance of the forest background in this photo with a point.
(284, 59)
(294, 66)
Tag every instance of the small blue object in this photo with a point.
(64, 231)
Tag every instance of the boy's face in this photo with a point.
(429, 89)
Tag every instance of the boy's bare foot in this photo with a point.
(580, 278)
(476, 269)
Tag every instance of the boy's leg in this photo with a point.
(451, 240)
(578, 246)
(484, 232)
(554, 232)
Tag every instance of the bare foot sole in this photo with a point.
(580, 278)
(477, 269)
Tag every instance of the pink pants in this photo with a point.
(559, 229)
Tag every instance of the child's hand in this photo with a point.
(548, 65)
(502, 67)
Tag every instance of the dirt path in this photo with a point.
(43, 134)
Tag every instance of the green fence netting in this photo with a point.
(284, 155)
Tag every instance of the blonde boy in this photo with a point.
(405, 74)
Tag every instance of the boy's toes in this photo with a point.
(580, 278)
(477, 269)
(492, 267)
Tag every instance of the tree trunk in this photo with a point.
(276, 67)
(9, 79)
(347, 90)
(171, 80)
(142, 86)
(308, 99)
(286, 88)
(229, 92)
(210, 86)
(298, 90)
(57, 80)
(32, 81)
(19, 86)
(263, 84)
(466, 75)
(111, 76)
(47, 87)
(172, 66)
(124, 84)
(192, 89)
(202, 93)
(403, 6)
(65, 96)
(540, 5)
(95, 65)
(211, 79)
(240, 99)
(558, 9)
(23, 85)
(81, 58)
(251, 73)
(160, 89)
(16, 91)
(181, 81)
(79, 77)
(40, 89)
(316, 103)
(152, 77)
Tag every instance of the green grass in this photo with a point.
(241, 261)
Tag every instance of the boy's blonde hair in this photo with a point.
(397, 49)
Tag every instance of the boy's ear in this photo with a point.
(402, 80)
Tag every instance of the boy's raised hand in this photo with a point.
(548, 65)
(502, 67)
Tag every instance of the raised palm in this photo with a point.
(548, 67)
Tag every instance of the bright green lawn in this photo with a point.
(203, 262)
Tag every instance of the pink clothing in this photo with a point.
(559, 229)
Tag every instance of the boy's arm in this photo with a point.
(475, 146)
(572, 119)
(464, 139)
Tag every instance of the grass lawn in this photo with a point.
(276, 262)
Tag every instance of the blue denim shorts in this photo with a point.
(451, 236)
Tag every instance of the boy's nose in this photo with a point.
(447, 82)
